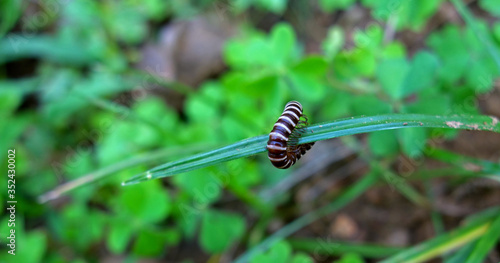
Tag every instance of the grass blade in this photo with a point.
(322, 131)
(447, 242)
(408, 191)
(328, 248)
(114, 168)
(486, 242)
(464, 162)
(461, 255)
(234, 151)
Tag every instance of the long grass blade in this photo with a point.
(330, 248)
(486, 242)
(464, 162)
(322, 131)
(113, 169)
(449, 241)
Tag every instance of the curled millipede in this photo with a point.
(282, 147)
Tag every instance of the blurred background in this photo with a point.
(94, 92)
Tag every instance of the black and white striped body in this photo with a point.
(281, 153)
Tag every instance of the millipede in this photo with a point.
(282, 147)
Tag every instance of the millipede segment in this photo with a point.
(282, 147)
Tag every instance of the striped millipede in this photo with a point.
(282, 147)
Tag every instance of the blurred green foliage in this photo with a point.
(85, 52)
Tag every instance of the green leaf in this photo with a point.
(188, 217)
(200, 109)
(149, 243)
(282, 41)
(430, 104)
(308, 87)
(70, 225)
(203, 188)
(154, 114)
(252, 175)
(117, 145)
(79, 163)
(59, 85)
(261, 54)
(155, 9)
(275, 6)
(354, 64)
(422, 73)
(312, 65)
(332, 5)
(492, 6)
(125, 23)
(480, 77)
(449, 45)
(219, 230)
(383, 143)
(11, 10)
(336, 105)
(369, 105)
(252, 51)
(333, 42)
(391, 74)
(12, 127)
(278, 253)
(119, 236)
(301, 258)
(235, 129)
(150, 203)
(496, 31)
(80, 13)
(412, 14)
(415, 14)
(371, 38)
(394, 50)
(383, 9)
(350, 258)
(481, 34)
(413, 141)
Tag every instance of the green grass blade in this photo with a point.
(401, 184)
(329, 248)
(447, 242)
(234, 151)
(350, 194)
(462, 161)
(322, 131)
(448, 172)
(114, 168)
(461, 254)
(44, 47)
(358, 125)
(486, 242)
(122, 111)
